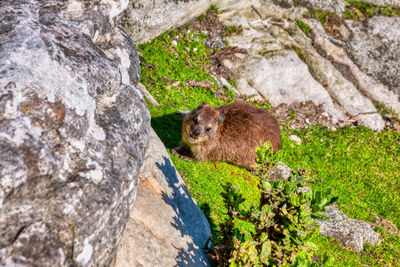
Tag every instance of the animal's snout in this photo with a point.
(196, 133)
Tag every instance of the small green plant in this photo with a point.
(320, 201)
(226, 42)
(188, 25)
(304, 27)
(202, 17)
(233, 82)
(292, 114)
(266, 156)
(233, 29)
(215, 8)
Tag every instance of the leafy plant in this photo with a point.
(202, 17)
(215, 8)
(319, 203)
(292, 114)
(283, 228)
(282, 223)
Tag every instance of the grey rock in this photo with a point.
(73, 132)
(350, 232)
(353, 102)
(280, 172)
(272, 72)
(166, 227)
(283, 79)
(144, 20)
(375, 48)
(295, 139)
(284, 3)
(384, 2)
(332, 6)
(367, 85)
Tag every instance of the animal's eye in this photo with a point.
(195, 120)
(208, 129)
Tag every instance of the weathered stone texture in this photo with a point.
(332, 6)
(375, 48)
(350, 232)
(73, 131)
(166, 227)
(144, 20)
(384, 2)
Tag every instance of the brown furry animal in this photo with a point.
(228, 133)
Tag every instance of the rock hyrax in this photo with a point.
(228, 133)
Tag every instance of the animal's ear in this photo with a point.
(201, 105)
(221, 118)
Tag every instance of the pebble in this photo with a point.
(295, 139)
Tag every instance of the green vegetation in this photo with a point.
(202, 17)
(233, 29)
(283, 229)
(304, 27)
(359, 10)
(320, 15)
(215, 8)
(359, 165)
(355, 10)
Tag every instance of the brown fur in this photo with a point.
(228, 133)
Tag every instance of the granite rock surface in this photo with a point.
(73, 132)
(166, 227)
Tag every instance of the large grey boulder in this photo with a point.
(166, 227)
(73, 132)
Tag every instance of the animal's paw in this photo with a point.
(175, 152)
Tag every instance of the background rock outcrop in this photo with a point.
(73, 131)
(347, 69)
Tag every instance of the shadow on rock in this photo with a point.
(189, 219)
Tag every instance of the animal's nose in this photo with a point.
(196, 132)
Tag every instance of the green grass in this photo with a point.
(363, 168)
(360, 165)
